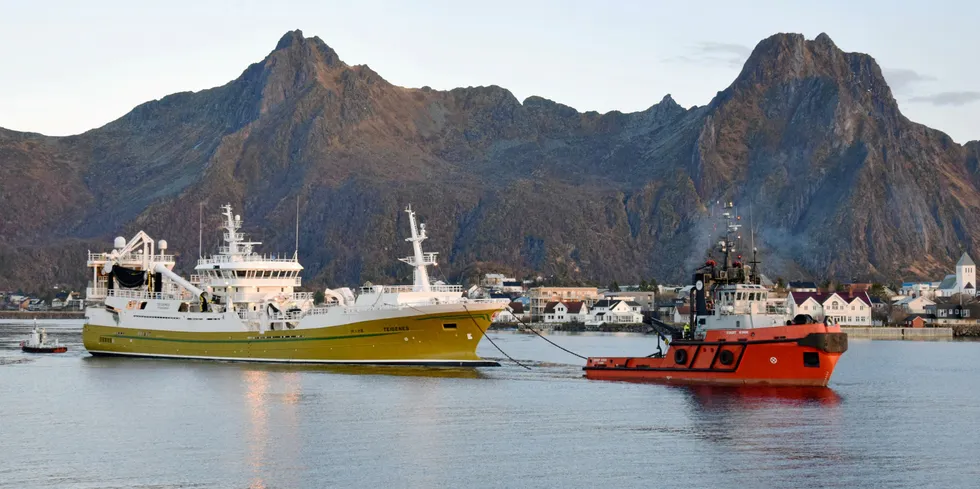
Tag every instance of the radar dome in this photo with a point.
(119, 243)
(162, 244)
(238, 217)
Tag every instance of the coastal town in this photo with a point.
(949, 302)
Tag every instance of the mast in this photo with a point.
(756, 273)
(235, 239)
(296, 250)
(200, 230)
(419, 260)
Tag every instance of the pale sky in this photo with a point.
(70, 66)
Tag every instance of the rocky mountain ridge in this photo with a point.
(808, 140)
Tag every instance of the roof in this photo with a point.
(820, 297)
(684, 310)
(965, 260)
(517, 307)
(512, 284)
(877, 300)
(948, 283)
(801, 297)
(909, 299)
(610, 303)
(923, 316)
(574, 307)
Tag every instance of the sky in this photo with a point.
(70, 66)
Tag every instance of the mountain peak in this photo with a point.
(290, 38)
(790, 58)
(309, 46)
(824, 40)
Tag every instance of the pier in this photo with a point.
(899, 333)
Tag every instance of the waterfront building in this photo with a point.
(515, 313)
(541, 296)
(646, 299)
(615, 311)
(914, 305)
(566, 312)
(839, 307)
(962, 282)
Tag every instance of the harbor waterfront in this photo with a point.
(183, 423)
(899, 333)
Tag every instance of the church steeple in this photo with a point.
(966, 275)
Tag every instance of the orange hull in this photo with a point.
(797, 355)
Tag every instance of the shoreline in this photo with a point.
(31, 315)
(898, 333)
(574, 328)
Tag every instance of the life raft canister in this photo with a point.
(680, 357)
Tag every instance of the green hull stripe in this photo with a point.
(257, 339)
(465, 316)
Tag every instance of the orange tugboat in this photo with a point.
(738, 337)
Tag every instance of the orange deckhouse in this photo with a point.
(737, 337)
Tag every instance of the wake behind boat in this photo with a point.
(242, 306)
(738, 337)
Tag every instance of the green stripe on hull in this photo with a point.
(263, 339)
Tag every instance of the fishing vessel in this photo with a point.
(739, 337)
(242, 306)
(38, 342)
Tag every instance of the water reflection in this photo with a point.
(734, 417)
(397, 371)
(257, 385)
(709, 397)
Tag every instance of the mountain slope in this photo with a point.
(807, 137)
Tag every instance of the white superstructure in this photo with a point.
(733, 297)
(238, 289)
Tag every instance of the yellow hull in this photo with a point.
(434, 339)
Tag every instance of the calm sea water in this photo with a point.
(897, 414)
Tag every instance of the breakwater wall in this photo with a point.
(32, 315)
(967, 331)
(899, 333)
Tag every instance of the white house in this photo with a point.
(919, 289)
(682, 314)
(962, 282)
(514, 313)
(512, 287)
(914, 305)
(564, 312)
(615, 311)
(646, 299)
(846, 309)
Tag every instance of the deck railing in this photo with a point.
(216, 259)
(397, 289)
(353, 309)
(128, 257)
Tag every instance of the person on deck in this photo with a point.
(687, 331)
